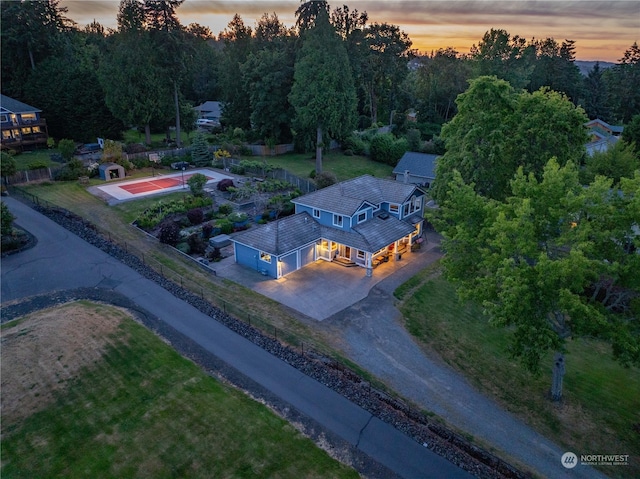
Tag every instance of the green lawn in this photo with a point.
(344, 167)
(25, 160)
(144, 411)
(601, 406)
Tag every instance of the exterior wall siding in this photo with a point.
(250, 257)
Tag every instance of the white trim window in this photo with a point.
(394, 207)
(337, 220)
(362, 217)
(266, 257)
(316, 213)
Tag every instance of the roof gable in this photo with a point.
(348, 196)
(10, 105)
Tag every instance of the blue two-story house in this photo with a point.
(358, 222)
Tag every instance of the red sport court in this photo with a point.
(128, 190)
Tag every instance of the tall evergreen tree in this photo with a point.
(323, 94)
(596, 95)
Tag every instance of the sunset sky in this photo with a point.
(602, 30)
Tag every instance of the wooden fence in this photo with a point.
(41, 174)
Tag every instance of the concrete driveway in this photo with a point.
(322, 289)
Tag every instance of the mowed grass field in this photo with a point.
(600, 411)
(341, 165)
(88, 392)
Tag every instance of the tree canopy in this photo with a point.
(497, 130)
(553, 261)
(323, 94)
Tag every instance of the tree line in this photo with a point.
(332, 72)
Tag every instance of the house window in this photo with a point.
(360, 255)
(362, 217)
(417, 204)
(266, 257)
(6, 134)
(394, 208)
(4, 118)
(316, 213)
(27, 117)
(405, 210)
(337, 220)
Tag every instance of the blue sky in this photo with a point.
(602, 30)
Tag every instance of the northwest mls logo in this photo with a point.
(569, 460)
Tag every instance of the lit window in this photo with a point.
(394, 208)
(316, 213)
(266, 257)
(337, 220)
(362, 217)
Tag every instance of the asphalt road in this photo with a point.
(61, 261)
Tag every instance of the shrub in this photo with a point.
(169, 233)
(226, 226)
(326, 178)
(237, 169)
(38, 164)
(224, 184)
(225, 209)
(57, 157)
(386, 149)
(73, 170)
(195, 216)
(6, 220)
(355, 144)
(196, 244)
(348, 152)
(214, 254)
(312, 175)
(66, 147)
(8, 165)
(207, 229)
(196, 184)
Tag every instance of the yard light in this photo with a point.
(183, 176)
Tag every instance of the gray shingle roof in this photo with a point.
(347, 196)
(15, 106)
(418, 164)
(281, 236)
(290, 233)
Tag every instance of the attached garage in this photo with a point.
(288, 263)
(307, 255)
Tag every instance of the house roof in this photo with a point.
(282, 236)
(292, 232)
(417, 164)
(212, 107)
(346, 197)
(601, 124)
(9, 105)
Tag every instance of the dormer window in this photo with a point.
(316, 213)
(337, 220)
(362, 217)
(394, 208)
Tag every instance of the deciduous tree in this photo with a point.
(553, 262)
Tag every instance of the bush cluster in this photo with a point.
(151, 217)
(385, 148)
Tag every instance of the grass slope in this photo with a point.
(600, 412)
(142, 410)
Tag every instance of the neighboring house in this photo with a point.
(359, 222)
(602, 136)
(210, 110)
(416, 168)
(22, 126)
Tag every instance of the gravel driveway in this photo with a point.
(372, 335)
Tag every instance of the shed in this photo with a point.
(111, 171)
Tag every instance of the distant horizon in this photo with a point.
(602, 31)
